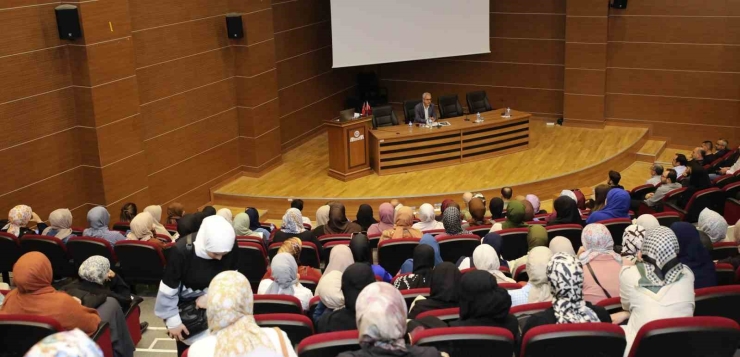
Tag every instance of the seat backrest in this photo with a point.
(393, 252)
(384, 116)
(571, 231)
(712, 198)
(329, 344)
(252, 261)
(453, 247)
(722, 250)
(523, 312)
(687, 336)
(478, 102)
(602, 339)
(330, 237)
(121, 226)
(409, 110)
(54, 249)
(251, 239)
(467, 341)
(81, 248)
(521, 273)
(277, 304)
(434, 232)
(612, 304)
(296, 326)
(140, 262)
(310, 255)
(639, 192)
(411, 294)
(18, 333)
(449, 106)
(480, 231)
(732, 189)
(329, 246)
(616, 227)
(666, 219)
(10, 251)
(726, 274)
(446, 315)
(724, 180)
(514, 243)
(309, 282)
(718, 301)
(510, 286)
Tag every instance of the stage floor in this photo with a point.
(555, 152)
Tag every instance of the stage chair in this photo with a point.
(10, 251)
(140, 262)
(712, 198)
(514, 243)
(451, 248)
(720, 301)
(409, 110)
(571, 231)
(449, 106)
(384, 116)
(277, 304)
(393, 252)
(252, 262)
(18, 333)
(329, 344)
(54, 249)
(296, 326)
(687, 336)
(478, 102)
(601, 339)
(467, 341)
(446, 315)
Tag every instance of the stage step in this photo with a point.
(666, 157)
(651, 150)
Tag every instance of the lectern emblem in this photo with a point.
(357, 137)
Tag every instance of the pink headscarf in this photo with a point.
(381, 317)
(597, 240)
(535, 201)
(387, 213)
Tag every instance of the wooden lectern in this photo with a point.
(349, 148)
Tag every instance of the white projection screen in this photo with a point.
(380, 31)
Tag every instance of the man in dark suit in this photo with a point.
(425, 109)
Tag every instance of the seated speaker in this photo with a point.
(68, 22)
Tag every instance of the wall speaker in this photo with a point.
(234, 25)
(618, 4)
(68, 22)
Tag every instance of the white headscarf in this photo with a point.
(284, 275)
(381, 317)
(61, 221)
(713, 224)
(330, 284)
(427, 217)
(647, 221)
(486, 258)
(226, 214)
(322, 215)
(537, 260)
(570, 194)
(292, 221)
(215, 235)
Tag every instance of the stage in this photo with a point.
(558, 157)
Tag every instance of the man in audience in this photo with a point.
(669, 184)
(425, 109)
(298, 204)
(656, 174)
(614, 178)
(697, 155)
(506, 194)
(730, 170)
(679, 164)
(709, 154)
(721, 148)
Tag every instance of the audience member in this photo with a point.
(561, 244)
(98, 219)
(495, 241)
(404, 219)
(496, 207)
(297, 203)
(698, 180)
(426, 239)
(355, 278)
(386, 213)
(466, 197)
(365, 217)
(18, 219)
(293, 246)
(713, 224)
(189, 225)
(698, 156)
(656, 175)
(128, 212)
(709, 153)
(730, 170)
(427, 219)
(721, 148)
(647, 221)
(142, 229)
(423, 263)
(569, 193)
(528, 210)
(601, 264)
(254, 222)
(34, 295)
(506, 194)
(535, 201)
(66, 343)
(156, 212)
(338, 222)
(444, 290)
(614, 178)
(679, 164)
(657, 287)
(484, 303)
(486, 258)
(632, 243)
(477, 209)
(175, 211)
(242, 224)
(692, 254)
(514, 216)
(734, 260)
(292, 226)
(381, 322)
(322, 218)
(537, 288)
(669, 183)
(231, 325)
(566, 212)
(226, 214)
(565, 274)
(600, 194)
(452, 222)
(209, 211)
(329, 289)
(285, 280)
(617, 206)
(537, 236)
(60, 225)
(362, 253)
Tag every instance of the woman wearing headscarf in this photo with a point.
(293, 227)
(209, 211)
(293, 246)
(365, 217)
(60, 225)
(537, 288)
(189, 224)
(566, 212)
(226, 214)
(444, 290)
(565, 275)
(535, 201)
(387, 214)
(428, 219)
(142, 228)
(484, 303)
(254, 222)
(657, 287)
(692, 254)
(496, 206)
(128, 212)
(536, 237)
(191, 265)
(600, 194)
(514, 216)
(426, 239)
(98, 219)
(362, 253)
(175, 211)
(284, 280)
(713, 225)
(632, 243)
(233, 330)
(617, 206)
(452, 222)
(528, 210)
(338, 222)
(329, 289)
(381, 323)
(477, 210)
(486, 258)
(495, 241)
(402, 228)
(34, 295)
(601, 265)
(241, 226)
(647, 221)
(423, 264)
(734, 260)
(67, 343)
(561, 244)
(699, 180)
(18, 219)
(355, 278)
(156, 212)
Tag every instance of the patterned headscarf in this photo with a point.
(537, 260)
(451, 221)
(486, 258)
(68, 343)
(647, 221)
(660, 256)
(293, 247)
(381, 317)
(141, 227)
(597, 240)
(632, 241)
(18, 217)
(292, 221)
(230, 316)
(175, 211)
(60, 220)
(535, 201)
(284, 275)
(566, 281)
(95, 269)
(713, 224)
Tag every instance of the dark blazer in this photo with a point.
(419, 110)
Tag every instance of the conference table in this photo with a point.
(403, 148)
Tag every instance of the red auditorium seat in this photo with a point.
(252, 262)
(268, 226)
(77, 231)
(277, 304)
(467, 341)
(687, 336)
(312, 306)
(720, 301)
(273, 249)
(331, 237)
(374, 239)
(521, 273)
(309, 282)
(639, 192)
(307, 226)
(523, 312)
(121, 226)
(133, 320)
(435, 232)
(296, 326)
(393, 252)
(667, 218)
(712, 198)
(164, 238)
(467, 270)
(732, 204)
(722, 181)
(10, 251)
(670, 197)
(514, 243)
(310, 255)
(510, 286)
(171, 228)
(81, 248)
(506, 271)
(612, 305)
(411, 294)
(453, 247)
(722, 250)
(536, 223)
(18, 333)
(725, 273)
(329, 344)
(480, 231)
(446, 315)
(574, 340)
(571, 231)
(140, 262)
(251, 239)
(103, 339)
(52, 248)
(328, 246)
(616, 227)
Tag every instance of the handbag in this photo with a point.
(194, 319)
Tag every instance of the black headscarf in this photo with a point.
(423, 266)
(189, 223)
(496, 206)
(567, 212)
(444, 290)
(481, 298)
(693, 254)
(254, 218)
(355, 278)
(364, 217)
(360, 247)
(209, 211)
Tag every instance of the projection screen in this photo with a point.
(380, 31)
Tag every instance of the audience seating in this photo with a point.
(723, 301)
(307, 226)
(612, 304)
(164, 238)
(639, 192)
(523, 312)
(310, 255)
(277, 304)
(616, 227)
(521, 273)
(732, 190)
(10, 251)
(666, 219)
(514, 243)
(171, 228)
(374, 239)
(267, 226)
(510, 286)
(670, 197)
(722, 181)
(309, 282)
(329, 344)
(312, 304)
(478, 102)
(505, 270)
(480, 231)
(435, 232)
(81, 248)
(712, 198)
(77, 231)
(133, 320)
(140, 262)
(446, 315)
(687, 336)
(54, 249)
(449, 106)
(393, 252)
(297, 327)
(328, 246)
(18, 333)
(467, 341)
(104, 340)
(332, 237)
(409, 110)
(121, 226)
(411, 294)
(732, 204)
(537, 223)
(251, 239)
(252, 262)
(384, 116)
(725, 273)
(451, 248)
(273, 249)
(722, 250)
(571, 231)
(579, 340)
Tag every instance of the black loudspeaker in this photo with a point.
(68, 22)
(618, 4)
(234, 25)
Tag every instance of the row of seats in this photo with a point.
(449, 107)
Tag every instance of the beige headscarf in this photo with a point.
(330, 285)
(561, 244)
(141, 227)
(226, 214)
(156, 213)
(322, 215)
(537, 272)
(486, 258)
(60, 220)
